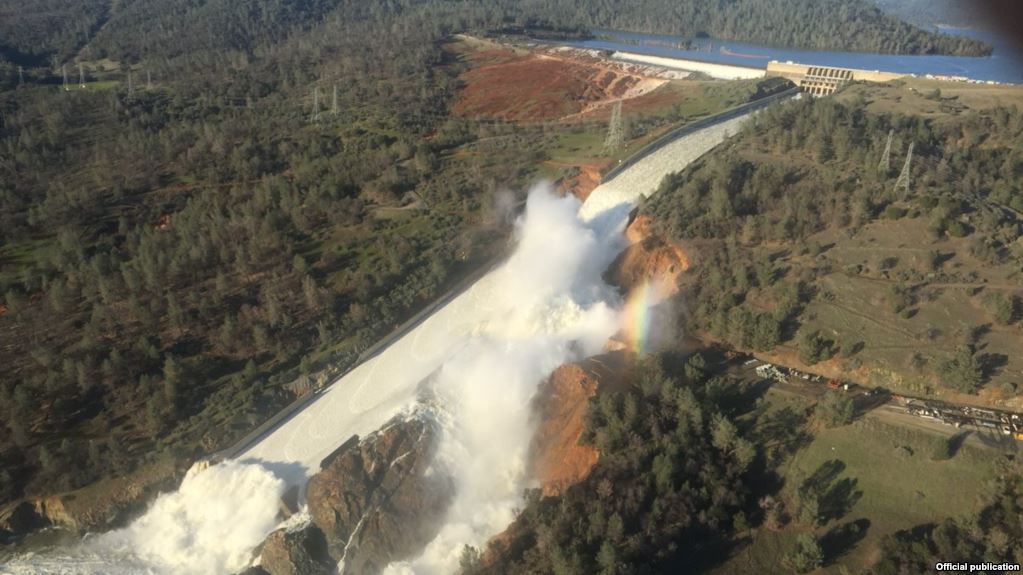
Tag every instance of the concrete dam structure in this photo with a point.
(825, 80)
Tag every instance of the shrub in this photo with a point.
(942, 449)
(835, 409)
(807, 555)
(813, 347)
(963, 372)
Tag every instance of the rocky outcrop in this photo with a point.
(299, 552)
(105, 505)
(376, 502)
(20, 519)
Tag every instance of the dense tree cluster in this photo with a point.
(668, 486)
(159, 29)
(31, 32)
(167, 249)
(815, 24)
(745, 197)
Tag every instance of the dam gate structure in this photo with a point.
(825, 80)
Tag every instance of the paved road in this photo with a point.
(897, 415)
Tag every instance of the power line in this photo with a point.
(614, 139)
(886, 157)
(903, 181)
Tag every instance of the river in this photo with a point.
(1004, 65)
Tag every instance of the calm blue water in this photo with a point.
(1004, 65)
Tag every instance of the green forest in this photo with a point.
(52, 31)
(696, 468)
(666, 495)
(237, 198)
(178, 252)
(757, 209)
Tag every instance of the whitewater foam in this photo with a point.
(207, 527)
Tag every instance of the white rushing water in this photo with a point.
(483, 354)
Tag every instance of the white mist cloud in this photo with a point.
(552, 308)
(208, 526)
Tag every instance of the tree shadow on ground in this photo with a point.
(956, 442)
(839, 499)
(824, 476)
(841, 539)
(782, 432)
(990, 363)
(836, 497)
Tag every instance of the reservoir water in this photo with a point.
(1004, 65)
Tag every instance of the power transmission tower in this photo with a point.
(333, 105)
(903, 181)
(21, 76)
(614, 129)
(81, 75)
(316, 104)
(886, 157)
(131, 87)
(149, 80)
(63, 69)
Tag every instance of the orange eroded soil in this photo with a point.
(649, 258)
(558, 460)
(543, 86)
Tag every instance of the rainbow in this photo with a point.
(639, 316)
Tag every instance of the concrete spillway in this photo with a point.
(364, 399)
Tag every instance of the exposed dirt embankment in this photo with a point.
(582, 182)
(650, 258)
(545, 85)
(558, 461)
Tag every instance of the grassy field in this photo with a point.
(878, 477)
(855, 272)
(932, 98)
(946, 308)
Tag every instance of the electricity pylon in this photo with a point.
(21, 76)
(333, 104)
(63, 69)
(614, 139)
(316, 105)
(81, 75)
(903, 181)
(886, 157)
